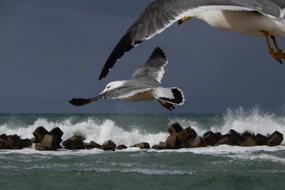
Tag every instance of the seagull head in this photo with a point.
(112, 85)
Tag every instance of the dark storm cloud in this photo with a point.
(53, 50)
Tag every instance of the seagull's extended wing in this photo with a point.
(130, 88)
(162, 13)
(153, 69)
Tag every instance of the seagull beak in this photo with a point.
(102, 93)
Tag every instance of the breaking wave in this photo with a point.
(104, 129)
(90, 129)
(253, 121)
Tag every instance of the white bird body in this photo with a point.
(141, 90)
(244, 22)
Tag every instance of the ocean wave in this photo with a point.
(258, 157)
(254, 121)
(222, 150)
(101, 130)
(92, 130)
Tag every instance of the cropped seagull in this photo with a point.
(250, 17)
(145, 85)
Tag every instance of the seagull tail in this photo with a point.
(172, 96)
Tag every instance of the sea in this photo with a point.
(222, 167)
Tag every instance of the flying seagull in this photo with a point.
(250, 17)
(144, 85)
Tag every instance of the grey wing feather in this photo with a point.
(153, 69)
(267, 7)
(129, 89)
(281, 4)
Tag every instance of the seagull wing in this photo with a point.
(153, 69)
(163, 13)
(281, 4)
(127, 90)
(271, 8)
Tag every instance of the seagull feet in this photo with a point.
(167, 105)
(277, 55)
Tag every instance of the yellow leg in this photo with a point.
(276, 53)
(276, 44)
(184, 19)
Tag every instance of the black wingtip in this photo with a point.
(103, 74)
(124, 45)
(158, 52)
(180, 22)
(80, 101)
(178, 97)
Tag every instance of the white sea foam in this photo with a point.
(259, 153)
(262, 157)
(100, 131)
(254, 121)
(226, 150)
(145, 171)
(91, 129)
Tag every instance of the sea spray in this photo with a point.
(92, 130)
(254, 121)
(144, 128)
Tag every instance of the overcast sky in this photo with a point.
(54, 50)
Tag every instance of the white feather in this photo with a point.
(160, 73)
(244, 22)
(112, 85)
(161, 92)
(195, 11)
(282, 13)
(133, 93)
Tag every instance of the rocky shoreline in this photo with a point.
(178, 137)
